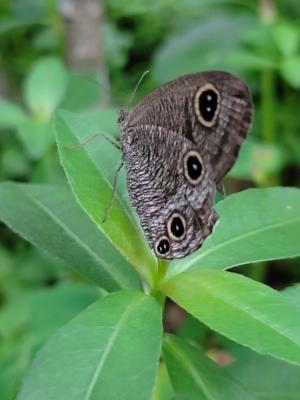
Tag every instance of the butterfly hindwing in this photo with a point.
(158, 162)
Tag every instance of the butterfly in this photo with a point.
(177, 144)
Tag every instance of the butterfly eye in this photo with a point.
(207, 104)
(163, 246)
(193, 167)
(176, 227)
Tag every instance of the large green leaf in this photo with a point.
(293, 294)
(110, 351)
(195, 377)
(202, 46)
(90, 173)
(254, 225)
(50, 218)
(244, 310)
(266, 377)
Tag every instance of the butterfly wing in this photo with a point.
(178, 144)
(211, 109)
(176, 212)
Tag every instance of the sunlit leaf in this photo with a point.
(50, 218)
(91, 181)
(241, 309)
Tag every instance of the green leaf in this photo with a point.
(90, 174)
(195, 377)
(110, 351)
(293, 294)
(14, 162)
(241, 309)
(43, 311)
(163, 389)
(50, 308)
(290, 70)
(257, 161)
(36, 137)
(11, 114)
(287, 38)
(50, 218)
(201, 47)
(45, 87)
(247, 60)
(83, 91)
(266, 377)
(33, 310)
(254, 225)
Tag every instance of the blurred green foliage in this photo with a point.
(259, 40)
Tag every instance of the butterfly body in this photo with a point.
(177, 144)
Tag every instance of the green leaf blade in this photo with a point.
(50, 218)
(266, 377)
(45, 87)
(11, 114)
(118, 357)
(93, 190)
(196, 377)
(243, 310)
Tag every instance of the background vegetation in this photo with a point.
(86, 59)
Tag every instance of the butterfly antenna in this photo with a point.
(221, 189)
(136, 88)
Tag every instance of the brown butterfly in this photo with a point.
(178, 143)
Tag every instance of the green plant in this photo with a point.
(40, 294)
(112, 349)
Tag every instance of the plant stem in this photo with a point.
(161, 273)
(258, 271)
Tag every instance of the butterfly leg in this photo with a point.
(94, 136)
(113, 193)
(221, 189)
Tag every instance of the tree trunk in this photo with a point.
(83, 36)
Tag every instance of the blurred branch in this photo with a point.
(83, 34)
